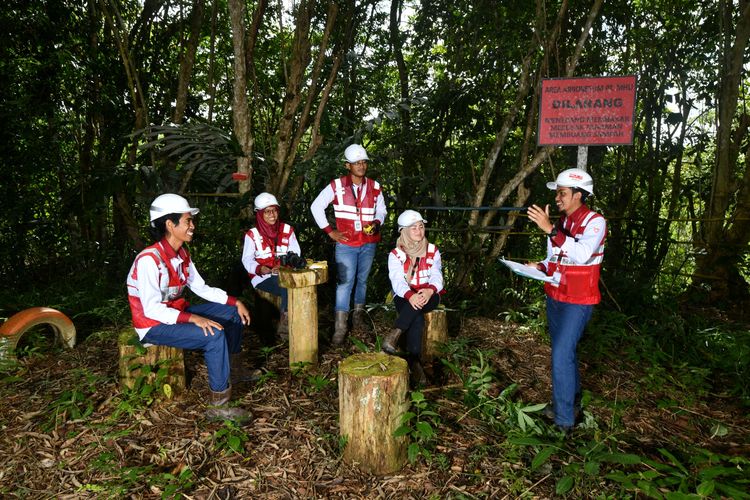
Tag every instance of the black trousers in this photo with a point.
(411, 321)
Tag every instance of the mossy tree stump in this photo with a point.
(435, 334)
(303, 311)
(142, 366)
(372, 400)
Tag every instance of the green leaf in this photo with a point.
(706, 488)
(234, 443)
(542, 457)
(425, 430)
(402, 431)
(564, 484)
(407, 416)
(533, 408)
(413, 452)
(591, 468)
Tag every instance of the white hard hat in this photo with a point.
(409, 217)
(573, 178)
(170, 204)
(355, 153)
(265, 200)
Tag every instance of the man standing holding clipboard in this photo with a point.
(575, 249)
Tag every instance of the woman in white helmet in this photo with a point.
(416, 272)
(265, 243)
(162, 316)
(575, 250)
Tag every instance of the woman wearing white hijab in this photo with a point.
(416, 272)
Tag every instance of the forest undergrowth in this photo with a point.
(665, 415)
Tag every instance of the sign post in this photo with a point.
(587, 111)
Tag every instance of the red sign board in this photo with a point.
(587, 111)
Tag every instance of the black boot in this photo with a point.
(391, 340)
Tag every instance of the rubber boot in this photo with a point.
(359, 318)
(282, 330)
(219, 409)
(239, 373)
(391, 340)
(339, 332)
(417, 377)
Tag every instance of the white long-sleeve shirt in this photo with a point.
(398, 280)
(148, 288)
(251, 265)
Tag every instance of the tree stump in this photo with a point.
(158, 365)
(372, 400)
(435, 334)
(303, 311)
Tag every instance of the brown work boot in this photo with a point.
(239, 373)
(282, 330)
(219, 409)
(360, 320)
(391, 340)
(339, 332)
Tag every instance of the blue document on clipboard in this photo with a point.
(528, 272)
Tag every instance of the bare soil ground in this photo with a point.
(291, 449)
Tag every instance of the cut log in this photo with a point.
(303, 312)
(434, 335)
(372, 400)
(158, 365)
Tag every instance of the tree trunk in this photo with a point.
(719, 260)
(241, 119)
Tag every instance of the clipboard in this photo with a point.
(528, 272)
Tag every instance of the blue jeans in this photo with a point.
(216, 348)
(566, 324)
(352, 263)
(411, 321)
(271, 285)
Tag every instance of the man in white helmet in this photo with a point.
(575, 249)
(161, 315)
(359, 209)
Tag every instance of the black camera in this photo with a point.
(293, 260)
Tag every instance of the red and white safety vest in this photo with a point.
(172, 283)
(579, 282)
(265, 253)
(349, 209)
(421, 276)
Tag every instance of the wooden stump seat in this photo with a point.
(435, 334)
(301, 285)
(160, 365)
(372, 400)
